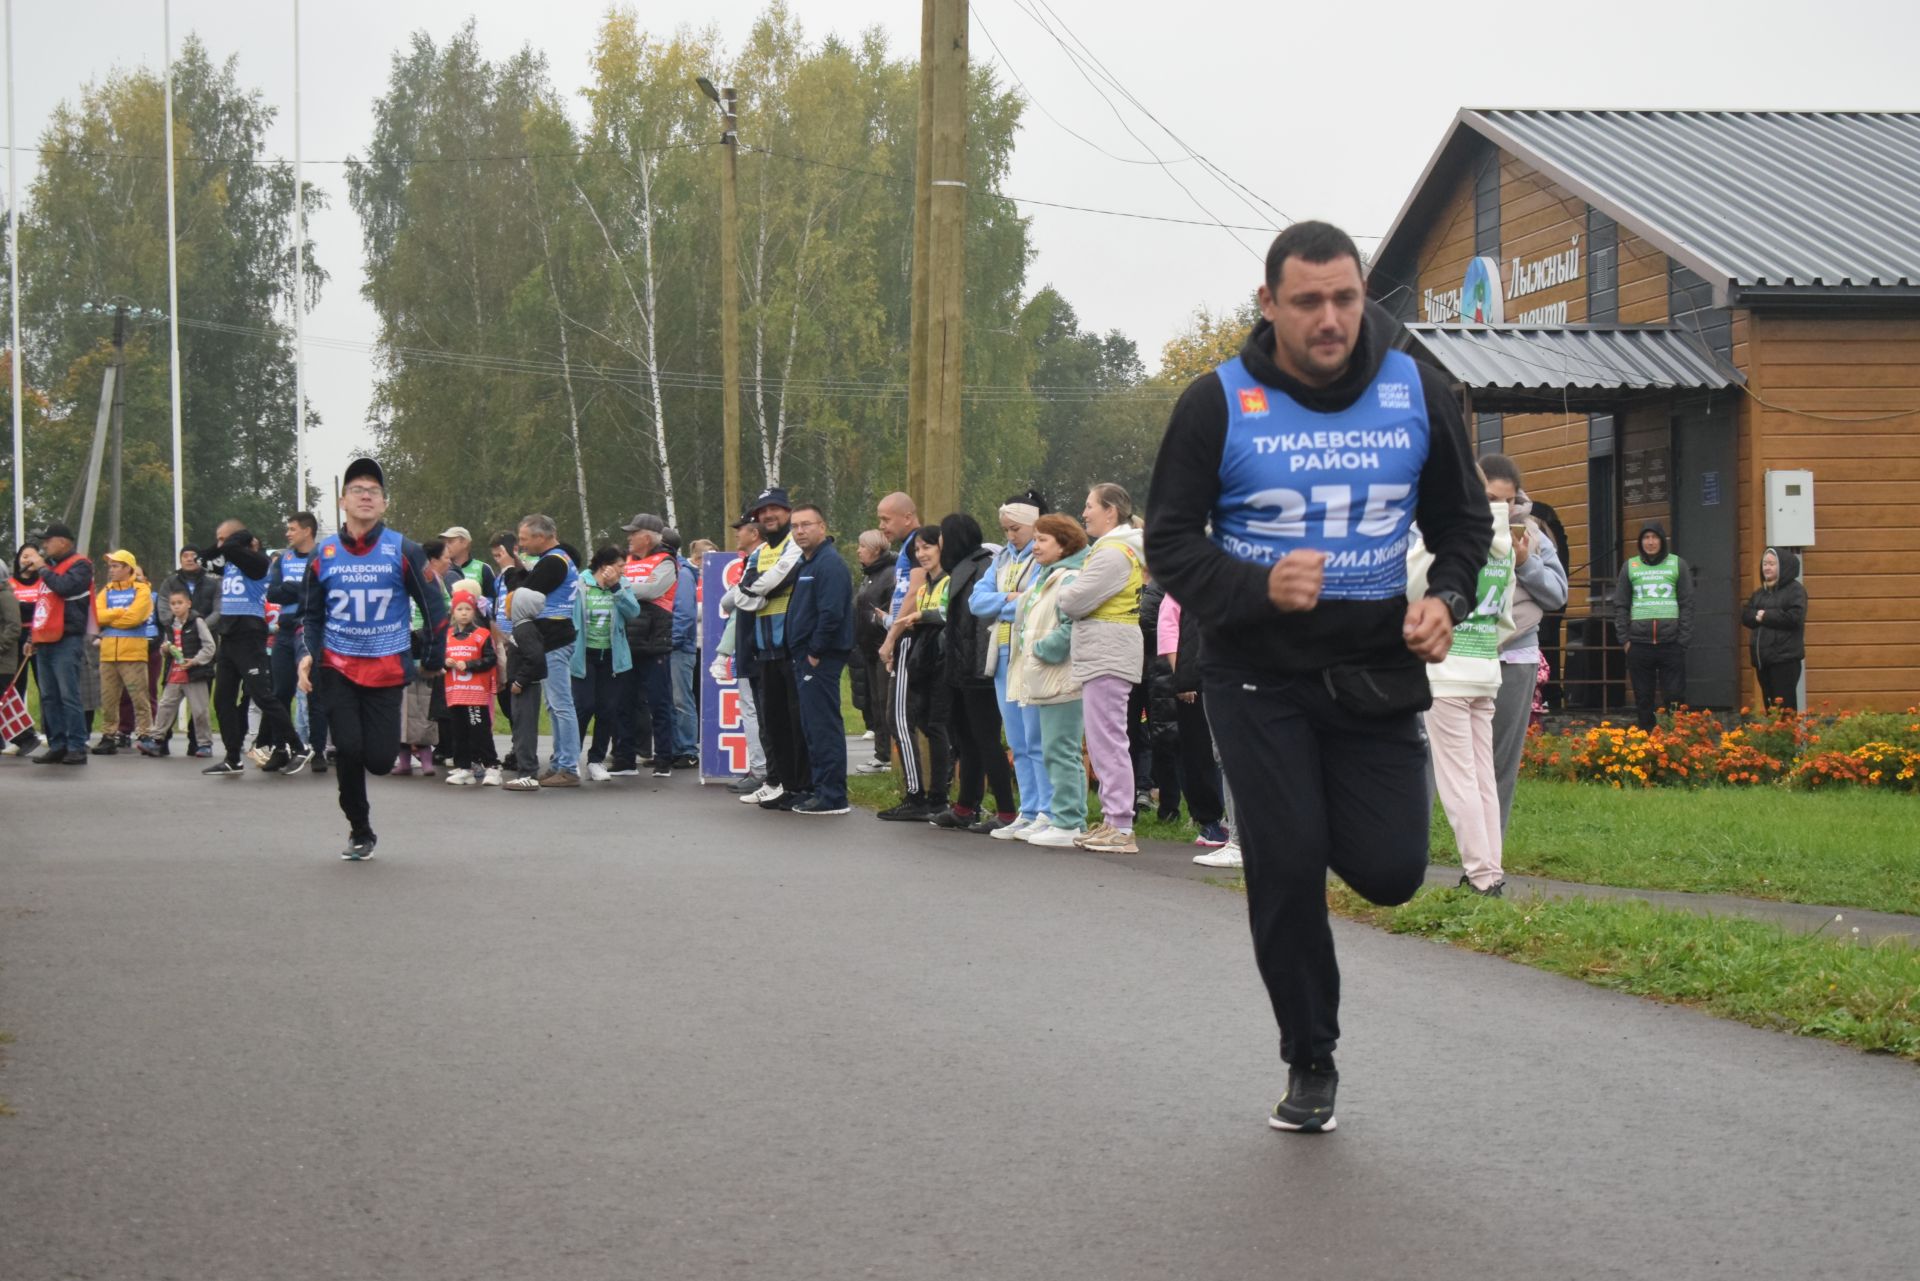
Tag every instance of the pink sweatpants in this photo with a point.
(1461, 733)
(1104, 700)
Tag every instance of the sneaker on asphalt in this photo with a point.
(912, 810)
(224, 769)
(1212, 836)
(1041, 823)
(598, 773)
(52, 756)
(492, 777)
(1307, 1106)
(75, 758)
(1227, 855)
(1093, 834)
(296, 761)
(988, 824)
(319, 765)
(663, 768)
(686, 762)
(105, 747)
(786, 801)
(525, 783)
(147, 747)
(814, 805)
(745, 784)
(201, 751)
(359, 847)
(766, 792)
(952, 819)
(1013, 831)
(868, 736)
(1111, 841)
(460, 778)
(1059, 838)
(560, 778)
(624, 769)
(259, 756)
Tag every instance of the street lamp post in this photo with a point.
(727, 100)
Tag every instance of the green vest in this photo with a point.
(1478, 635)
(1656, 588)
(599, 608)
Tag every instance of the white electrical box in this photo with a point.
(1789, 509)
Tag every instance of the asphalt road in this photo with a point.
(639, 1031)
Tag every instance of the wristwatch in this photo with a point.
(1457, 605)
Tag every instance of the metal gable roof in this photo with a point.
(1762, 200)
(1580, 362)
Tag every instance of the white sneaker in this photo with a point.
(1012, 831)
(1056, 837)
(868, 736)
(771, 792)
(1040, 824)
(460, 778)
(492, 778)
(1227, 855)
(598, 772)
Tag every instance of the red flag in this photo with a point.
(14, 720)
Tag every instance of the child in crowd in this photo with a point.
(526, 670)
(469, 681)
(189, 649)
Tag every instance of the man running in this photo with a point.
(359, 637)
(1279, 517)
(241, 671)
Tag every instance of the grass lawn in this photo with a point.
(1758, 973)
(1847, 848)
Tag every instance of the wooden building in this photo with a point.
(1652, 311)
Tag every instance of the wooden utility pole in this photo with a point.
(940, 339)
(119, 425)
(922, 238)
(730, 302)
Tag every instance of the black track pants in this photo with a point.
(365, 724)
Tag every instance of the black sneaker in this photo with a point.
(319, 762)
(1496, 890)
(27, 743)
(52, 756)
(359, 847)
(663, 768)
(1307, 1107)
(745, 784)
(912, 810)
(107, 746)
(296, 762)
(952, 819)
(786, 801)
(986, 825)
(621, 768)
(277, 762)
(123, 741)
(686, 762)
(224, 769)
(814, 805)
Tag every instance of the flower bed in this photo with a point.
(1823, 750)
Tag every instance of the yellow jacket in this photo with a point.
(126, 621)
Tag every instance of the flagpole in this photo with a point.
(173, 289)
(299, 289)
(13, 293)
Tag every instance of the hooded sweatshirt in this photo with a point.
(1653, 598)
(1245, 633)
(1103, 600)
(1780, 636)
(1471, 668)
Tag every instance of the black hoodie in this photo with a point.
(1653, 631)
(1781, 636)
(1245, 633)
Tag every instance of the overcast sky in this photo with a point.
(1322, 111)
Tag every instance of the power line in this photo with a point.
(266, 162)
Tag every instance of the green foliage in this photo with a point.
(98, 209)
(1752, 971)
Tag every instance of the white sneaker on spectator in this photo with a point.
(1012, 831)
(868, 736)
(492, 777)
(1060, 838)
(461, 778)
(771, 792)
(1040, 824)
(597, 772)
(1227, 855)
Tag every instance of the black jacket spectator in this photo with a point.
(968, 639)
(1781, 636)
(820, 614)
(876, 593)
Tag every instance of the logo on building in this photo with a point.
(1253, 402)
(1480, 299)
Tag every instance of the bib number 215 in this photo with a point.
(1379, 518)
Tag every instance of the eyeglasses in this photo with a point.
(364, 491)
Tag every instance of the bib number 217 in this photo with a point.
(358, 604)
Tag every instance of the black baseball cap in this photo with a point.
(364, 467)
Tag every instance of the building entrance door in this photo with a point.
(1706, 534)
